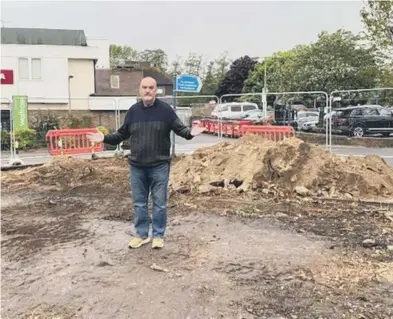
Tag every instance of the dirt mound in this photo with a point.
(253, 163)
(63, 173)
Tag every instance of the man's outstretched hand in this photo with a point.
(197, 130)
(95, 137)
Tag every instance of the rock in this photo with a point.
(204, 189)
(389, 247)
(158, 268)
(265, 191)
(301, 190)
(332, 192)
(368, 243)
(182, 190)
(348, 196)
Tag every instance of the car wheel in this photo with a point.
(358, 131)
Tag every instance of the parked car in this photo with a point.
(361, 120)
(306, 120)
(234, 110)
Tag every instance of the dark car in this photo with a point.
(361, 120)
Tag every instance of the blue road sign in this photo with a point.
(188, 83)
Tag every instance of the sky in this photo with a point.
(255, 28)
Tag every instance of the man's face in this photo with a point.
(148, 90)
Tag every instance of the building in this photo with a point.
(54, 68)
(124, 80)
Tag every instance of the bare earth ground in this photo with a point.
(65, 255)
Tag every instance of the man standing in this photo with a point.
(148, 125)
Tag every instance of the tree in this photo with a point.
(176, 67)
(118, 54)
(194, 64)
(221, 66)
(377, 17)
(234, 79)
(335, 61)
(210, 83)
(156, 58)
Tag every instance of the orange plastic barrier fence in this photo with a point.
(72, 141)
(273, 133)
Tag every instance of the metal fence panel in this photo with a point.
(283, 108)
(189, 108)
(341, 99)
(55, 113)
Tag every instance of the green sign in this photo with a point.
(19, 112)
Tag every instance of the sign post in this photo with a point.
(19, 111)
(184, 83)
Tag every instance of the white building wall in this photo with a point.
(103, 48)
(57, 64)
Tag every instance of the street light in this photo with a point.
(69, 92)
(264, 89)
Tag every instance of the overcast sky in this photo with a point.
(208, 28)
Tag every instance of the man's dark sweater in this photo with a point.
(148, 129)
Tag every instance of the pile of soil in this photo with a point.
(64, 173)
(251, 165)
(292, 166)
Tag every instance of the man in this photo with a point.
(148, 125)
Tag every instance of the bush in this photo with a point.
(85, 121)
(5, 139)
(25, 138)
(42, 124)
(5, 136)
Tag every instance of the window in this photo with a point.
(23, 69)
(30, 69)
(36, 69)
(236, 108)
(115, 82)
(248, 107)
(385, 112)
(161, 90)
(368, 112)
(357, 112)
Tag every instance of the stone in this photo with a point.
(368, 243)
(205, 189)
(301, 190)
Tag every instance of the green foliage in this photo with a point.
(85, 121)
(25, 138)
(156, 58)
(4, 137)
(377, 17)
(118, 53)
(103, 129)
(210, 82)
(335, 61)
(42, 123)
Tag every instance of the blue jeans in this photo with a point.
(143, 181)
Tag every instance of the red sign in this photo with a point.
(7, 77)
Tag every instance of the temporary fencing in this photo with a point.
(273, 133)
(71, 142)
(190, 108)
(60, 114)
(279, 108)
(371, 122)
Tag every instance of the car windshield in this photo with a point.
(386, 112)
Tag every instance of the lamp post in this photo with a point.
(69, 92)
